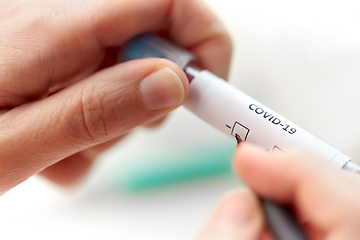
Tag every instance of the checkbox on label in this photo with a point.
(277, 149)
(241, 130)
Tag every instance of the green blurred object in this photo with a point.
(159, 167)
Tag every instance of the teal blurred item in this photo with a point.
(158, 167)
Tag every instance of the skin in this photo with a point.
(325, 199)
(62, 99)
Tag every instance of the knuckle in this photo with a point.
(96, 115)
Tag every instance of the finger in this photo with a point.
(238, 216)
(316, 189)
(73, 169)
(6, 4)
(95, 151)
(155, 123)
(190, 23)
(103, 107)
(55, 43)
(69, 170)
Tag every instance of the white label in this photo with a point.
(233, 112)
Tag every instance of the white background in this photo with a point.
(301, 58)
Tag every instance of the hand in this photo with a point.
(58, 101)
(325, 199)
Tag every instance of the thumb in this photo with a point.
(238, 216)
(103, 106)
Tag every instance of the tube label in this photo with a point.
(233, 112)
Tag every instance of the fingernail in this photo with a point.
(162, 89)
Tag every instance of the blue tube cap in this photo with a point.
(153, 46)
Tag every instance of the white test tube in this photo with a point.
(230, 110)
(233, 112)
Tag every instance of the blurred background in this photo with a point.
(300, 58)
